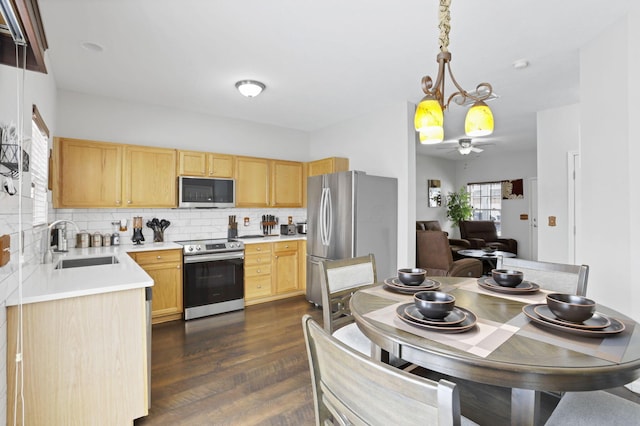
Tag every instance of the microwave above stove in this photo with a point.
(200, 192)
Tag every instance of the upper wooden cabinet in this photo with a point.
(206, 164)
(89, 174)
(268, 183)
(327, 165)
(287, 179)
(149, 176)
(252, 182)
(86, 174)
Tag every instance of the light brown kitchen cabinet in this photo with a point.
(286, 267)
(273, 271)
(252, 182)
(257, 271)
(149, 176)
(86, 174)
(261, 182)
(287, 183)
(165, 267)
(85, 363)
(205, 164)
(89, 174)
(327, 165)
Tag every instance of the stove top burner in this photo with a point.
(194, 247)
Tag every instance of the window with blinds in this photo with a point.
(486, 199)
(39, 165)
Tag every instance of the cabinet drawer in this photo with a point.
(250, 249)
(257, 270)
(158, 256)
(257, 287)
(257, 259)
(285, 246)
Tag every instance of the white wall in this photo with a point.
(558, 134)
(39, 89)
(610, 191)
(491, 166)
(380, 143)
(434, 168)
(104, 119)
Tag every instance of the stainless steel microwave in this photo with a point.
(200, 192)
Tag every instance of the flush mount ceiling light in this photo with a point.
(92, 47)
(250, 88)
(429, 118)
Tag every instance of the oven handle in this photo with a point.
(199, 258)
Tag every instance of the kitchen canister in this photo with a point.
(96, 241)
(106, 240)
(82, 239)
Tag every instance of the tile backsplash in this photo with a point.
(186, 224)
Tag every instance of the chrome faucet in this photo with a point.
(48, 255)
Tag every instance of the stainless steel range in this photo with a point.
(213, 277)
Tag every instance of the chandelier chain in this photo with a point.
(444, 25)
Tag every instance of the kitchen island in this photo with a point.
(84, 340)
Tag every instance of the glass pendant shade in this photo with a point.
(479, 121)
(431, 135)
(428, 114)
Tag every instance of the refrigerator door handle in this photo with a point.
(321, 217)
(324, 236)
(329, 227)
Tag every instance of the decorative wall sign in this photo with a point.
(512, 189)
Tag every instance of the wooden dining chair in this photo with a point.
(594, 408)
(350, 388)
(342, 278)
(559, 277)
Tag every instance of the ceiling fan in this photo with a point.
(466, 146)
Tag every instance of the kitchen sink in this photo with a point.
(86, 261)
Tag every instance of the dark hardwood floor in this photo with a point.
(250, 368)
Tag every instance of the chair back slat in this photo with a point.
(353, 389)
(559, 277)
(341, 278)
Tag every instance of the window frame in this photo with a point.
(487, 204)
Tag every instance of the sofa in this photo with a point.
(483, 233)
(434, 254)
(434, 225)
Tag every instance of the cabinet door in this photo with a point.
(87, 174)
(167, 289)
(286, 269)
(219, 165)
(328, 165)
(192, 163)
(150, 176)
(286, 184)
(252, 182)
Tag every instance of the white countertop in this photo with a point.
(46, 283)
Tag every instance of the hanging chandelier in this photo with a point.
(429, 118)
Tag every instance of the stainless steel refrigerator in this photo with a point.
(350, 214)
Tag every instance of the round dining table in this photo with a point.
(505, 347)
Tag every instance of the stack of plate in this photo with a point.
(525, 287)
(394, 284)
(458, 320)
(597, 326)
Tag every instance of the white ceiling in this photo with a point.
(325, 61)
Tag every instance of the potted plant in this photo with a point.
(458, 206)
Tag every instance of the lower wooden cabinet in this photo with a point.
(274, 271)
(165, 267)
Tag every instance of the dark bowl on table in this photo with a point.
(412, 276)
(507, 277)
(434, 304)
(571, 307)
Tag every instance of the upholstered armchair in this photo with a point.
(434, 225)
(434, 254)
(483, 233)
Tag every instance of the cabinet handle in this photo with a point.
(158, 257)
(118, 202)
(178, 267)
(286, 246)
(258, 249)
(277, 257)
(258, 271)
(128, 201)
(259, 286)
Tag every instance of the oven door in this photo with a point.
(213, 278)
